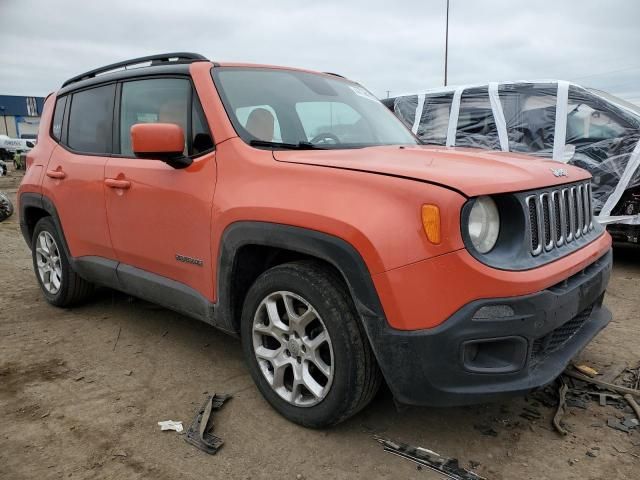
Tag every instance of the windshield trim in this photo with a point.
(241, 132)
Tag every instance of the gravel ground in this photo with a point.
(74, 404)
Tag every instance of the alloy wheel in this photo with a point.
(293, 348)
(48, 262)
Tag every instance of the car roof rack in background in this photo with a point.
(160, 59)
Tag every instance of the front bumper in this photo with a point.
(510, 346)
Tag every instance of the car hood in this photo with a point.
(470, 171)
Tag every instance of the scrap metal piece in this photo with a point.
(601, 384)
(422, 457)
(634, 404)
(617, 425)
(200, 433)
(562, 406)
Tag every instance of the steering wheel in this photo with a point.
(325, 138)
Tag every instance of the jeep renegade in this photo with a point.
(292, 209)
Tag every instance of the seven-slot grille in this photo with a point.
(559, 216)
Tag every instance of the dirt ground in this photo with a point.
(76, 401)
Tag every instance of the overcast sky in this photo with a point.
(385, 45)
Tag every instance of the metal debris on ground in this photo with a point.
(486, 430)
(200, 433)
(599, 383)
(423, 458)
(171, 425)
(616, 424)
(633, 404)
(562, 407)
(531, 414)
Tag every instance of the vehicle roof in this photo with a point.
(177, 68)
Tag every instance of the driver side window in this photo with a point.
(588, 122)
(333, 119)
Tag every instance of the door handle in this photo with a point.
(58, 174)
(113, 183)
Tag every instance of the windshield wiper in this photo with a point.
(289, 146)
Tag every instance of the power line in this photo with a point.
(606, 73)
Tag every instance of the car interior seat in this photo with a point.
(261, 124)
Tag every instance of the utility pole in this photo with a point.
(388, 92)
(446, 46)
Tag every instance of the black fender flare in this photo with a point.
(334, 250)
(42, 202)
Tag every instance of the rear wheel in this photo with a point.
(305, 347)
(60, 285)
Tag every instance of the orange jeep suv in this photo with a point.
(292, 209)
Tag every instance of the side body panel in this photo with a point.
(164, 213)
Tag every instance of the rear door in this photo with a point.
(160, 217)
(82, 126)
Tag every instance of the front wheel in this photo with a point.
(305, 347)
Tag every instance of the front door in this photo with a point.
(160, 217)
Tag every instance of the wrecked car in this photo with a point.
(291, 209)
(552, 119)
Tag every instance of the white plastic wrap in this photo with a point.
(551, 119)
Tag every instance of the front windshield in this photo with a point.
(279, 106)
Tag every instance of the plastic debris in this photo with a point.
(171, 425)
(591, 372)
(200, 433)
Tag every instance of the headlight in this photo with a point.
(484, 224)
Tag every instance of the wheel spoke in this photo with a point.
(43, 243)
(310, 383)
(274, 317)
(42, 252)
(314, 343)
(320, 364)
(55, 279)
(279, 370)
(267, 353)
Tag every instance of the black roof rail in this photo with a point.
(159, 59)
(334, 74)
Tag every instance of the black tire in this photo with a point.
(356, 377)
(73, 289)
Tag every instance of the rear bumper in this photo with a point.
(512, 345)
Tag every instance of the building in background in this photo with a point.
(20, 116)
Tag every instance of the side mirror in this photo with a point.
(160, 141)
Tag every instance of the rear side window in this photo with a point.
(58, 116)
(91, 120)
(476, 125)
(163, 100)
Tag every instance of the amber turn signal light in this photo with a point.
(431, 222)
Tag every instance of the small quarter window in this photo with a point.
(58, 116)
